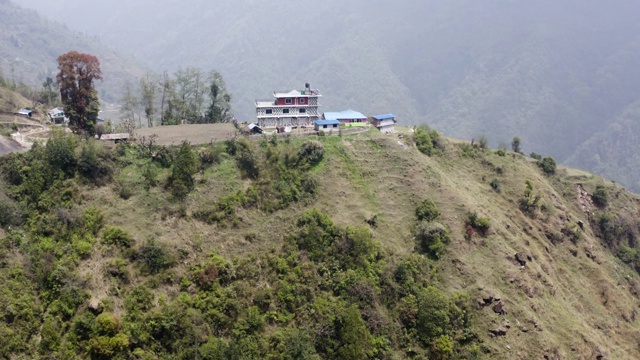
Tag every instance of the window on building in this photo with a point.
(303, 111)
(288, 101)
(335, 125)
(269, 111)
(302, 100)
(285, 111)
(324, 126)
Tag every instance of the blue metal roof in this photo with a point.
(347, 114)
(384, 116)
(327, 122)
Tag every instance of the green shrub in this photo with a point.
(138, 299)
(535, 156)
(501, 152)
(209, 156)
(311, 152)
(432, 238)
(93, 220)
(478, 223)
(60, 152)
(316, 233)
(356, 341)
(468, 149)
(515, 144)
(495, 185)
(123, 189)
(483, 142)
(181, 180)
(530, 200)
(600, 197)
(106, 324)
(426, 140)
(114, 235)
(427, 211)
(247, 161)
(50, 335)
(118, 268)
(154, 257)
(149, 176)
(105, 347)
(548, 165)
(10, 212)
(92, 163)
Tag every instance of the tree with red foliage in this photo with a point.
(76, 75)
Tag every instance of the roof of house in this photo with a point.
(117, 136)
(292, 93)
(254, 126)
(55, 111)
(296, 93)
(327, 122)
(384, 116)
(347, 114)
(24, 112)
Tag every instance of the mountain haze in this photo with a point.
(31, 43)
(558, 74)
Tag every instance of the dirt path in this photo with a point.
(21, 141)
(9, 145)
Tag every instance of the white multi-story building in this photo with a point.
(296, 108)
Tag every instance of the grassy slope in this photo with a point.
(579, 304)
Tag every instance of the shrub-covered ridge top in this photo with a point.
(356, 246)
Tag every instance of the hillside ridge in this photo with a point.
(342, 246)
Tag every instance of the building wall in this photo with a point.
(276, 121)
(384, 122)
(387, 128)
(333, 127)
(347, 121)
(302, 101)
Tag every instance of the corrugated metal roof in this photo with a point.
(347, 114)
(384, 116)
(292, 93)
(327, 122)
(118, 136)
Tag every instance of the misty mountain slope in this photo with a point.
(30, 45)
(553, 73)
(614, 150)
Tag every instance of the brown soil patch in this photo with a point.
(193, 133)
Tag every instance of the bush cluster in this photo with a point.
(426, 140)
(600, 197)
(548, 165)
(478, 223)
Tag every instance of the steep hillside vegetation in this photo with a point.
(31, 43)
(353, 247)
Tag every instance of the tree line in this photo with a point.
(189, 96)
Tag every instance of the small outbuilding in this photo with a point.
(326, 125)
(385, 122)
(116, 138)
(348, 118)
(254, 129)
(24, 112)
(57, 116)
